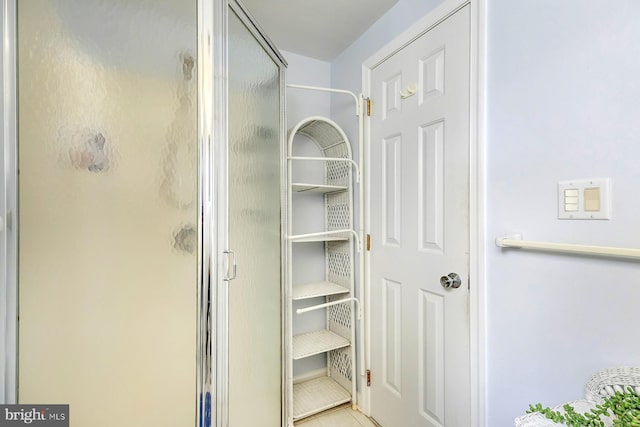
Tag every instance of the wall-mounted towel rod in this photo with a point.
(516, 241)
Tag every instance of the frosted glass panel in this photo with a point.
(254, 231)
(108, 209)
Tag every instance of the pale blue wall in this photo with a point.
(562, 104)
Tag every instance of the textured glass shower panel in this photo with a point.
(108, 209)
(254, 231)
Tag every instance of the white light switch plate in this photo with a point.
(571, 198)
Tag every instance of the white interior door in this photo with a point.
(420, 230)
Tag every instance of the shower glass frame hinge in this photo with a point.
(368, 377)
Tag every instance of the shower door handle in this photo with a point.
(231, 261)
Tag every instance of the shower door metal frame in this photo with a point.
(8, 205)
(220, 146)
(207, 206)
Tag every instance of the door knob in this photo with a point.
(451, 280)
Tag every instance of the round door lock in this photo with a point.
(451, 280)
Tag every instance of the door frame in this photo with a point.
(477, 190)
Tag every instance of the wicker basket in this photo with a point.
(603, 384)
(610, 381)
(536, 419)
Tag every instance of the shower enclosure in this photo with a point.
(141, 212)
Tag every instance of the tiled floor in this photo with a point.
(342, 416)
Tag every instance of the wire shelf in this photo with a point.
(300, 187)
(316, 342)
(326, 236)
(317, 289)
(317, 395)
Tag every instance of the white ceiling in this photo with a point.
(320, 29)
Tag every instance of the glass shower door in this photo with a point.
(108, 209)
(255, 196)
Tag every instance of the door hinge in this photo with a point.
(368, 377)
(369, 107)
(468, 282)
(369, 242)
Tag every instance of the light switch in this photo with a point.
(571, 200)
(592, 199)
(584, 199)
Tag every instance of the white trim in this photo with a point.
(477, 189)
(433, 18)
(477, 256)
(364, 399)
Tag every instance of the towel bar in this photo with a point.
(516, 241)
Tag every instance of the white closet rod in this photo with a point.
(328, 89)
(515, 241)
(330, 304)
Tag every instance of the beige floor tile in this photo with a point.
(308, 422)
(342, 416)
(362, 419)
